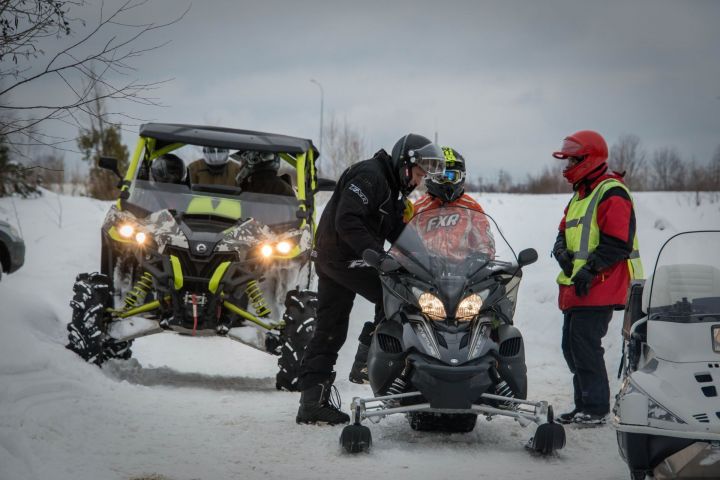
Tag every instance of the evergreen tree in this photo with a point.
(14, 178)
(97, 141)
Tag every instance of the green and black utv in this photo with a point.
(202, 259)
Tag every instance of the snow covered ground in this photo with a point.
(195, 408)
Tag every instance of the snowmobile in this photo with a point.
(203, 259)
(448, 350)
(667, 413)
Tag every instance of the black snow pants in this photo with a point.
(338, 283)
(583, 331)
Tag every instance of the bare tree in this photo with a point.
(343, 146)
(111, 42)
(714, 170)
(627, 156)
(668, 169)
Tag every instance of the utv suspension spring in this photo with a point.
(257, 300)
(137, 295)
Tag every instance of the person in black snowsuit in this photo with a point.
(365, 210)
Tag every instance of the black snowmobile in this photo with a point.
(448, 349)
(203, 259)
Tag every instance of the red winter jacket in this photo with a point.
(616, 220)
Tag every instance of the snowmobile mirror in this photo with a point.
(325, 185)
(372, 258)
(527, 257)
(109, 163)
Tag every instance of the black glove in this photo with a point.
(561, 254)
(565, 260)
(582, 280)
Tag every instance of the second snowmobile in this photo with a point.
(667, 413)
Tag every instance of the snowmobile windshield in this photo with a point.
(685, 285)
(450, 241)
(275, 211)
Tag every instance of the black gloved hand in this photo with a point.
(565, 260)
(582, 280)
(561, 254)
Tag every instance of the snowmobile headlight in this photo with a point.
(432, 306)
(284, 247)
(266, 250)
(469, 307)
(716, 338)
(126, 230)
(140, 238)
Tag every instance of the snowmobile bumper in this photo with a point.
(449, 387)
(669, 457)
(524, 411)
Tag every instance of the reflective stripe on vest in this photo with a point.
(582, 233)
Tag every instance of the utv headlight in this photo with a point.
(716, 338)
(140, 238)
(432, 306)
(284, 247)
(126, 230)
(281, 248)
(468, 308)
(266, 250)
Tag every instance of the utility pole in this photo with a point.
(322, 109)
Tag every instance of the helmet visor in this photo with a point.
(449, 176)
(570, 148)
(216, 156)
(430, 158)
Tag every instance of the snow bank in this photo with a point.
(190, 408)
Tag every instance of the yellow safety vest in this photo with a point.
(582, 233)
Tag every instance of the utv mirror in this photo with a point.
(527, 257)
(109, 163)
(325, 185)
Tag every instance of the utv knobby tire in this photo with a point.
(86, 337)
(300, 320)
(442, 422)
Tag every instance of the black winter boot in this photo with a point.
(568, 417)
(318, 405)
(359, 370)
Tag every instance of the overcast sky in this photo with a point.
(502, 82)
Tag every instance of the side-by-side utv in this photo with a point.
(201, 259)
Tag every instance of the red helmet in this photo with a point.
(590, 147)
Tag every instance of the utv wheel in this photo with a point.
(299, 317)
(86, 337)
(356, 439)
(442, 422)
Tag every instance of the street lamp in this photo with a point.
(322, 107)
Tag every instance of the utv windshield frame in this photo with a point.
(156, 139)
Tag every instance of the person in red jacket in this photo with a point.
(596, 249)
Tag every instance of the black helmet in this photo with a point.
(450, 185)
(252, 162)
(168, 168)
(413, 149)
